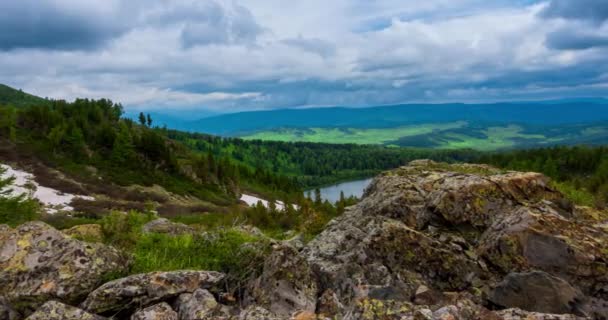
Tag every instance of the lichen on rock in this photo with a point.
(39, 263)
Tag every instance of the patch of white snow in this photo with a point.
(53, 200)
(252, 201)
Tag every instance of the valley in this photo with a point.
(140, 203)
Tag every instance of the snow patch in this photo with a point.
(252, 201)
(53, 200)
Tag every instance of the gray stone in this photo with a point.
(142, 290)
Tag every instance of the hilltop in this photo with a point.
(18, 98)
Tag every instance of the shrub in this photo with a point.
(15, 210)
(124, 229)
(578, 196)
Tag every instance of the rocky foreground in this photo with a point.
(428, 241)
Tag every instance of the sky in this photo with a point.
(236, 55)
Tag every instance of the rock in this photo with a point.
(372, 309)
(86, 232)
(287, 284)
(540, 237)
(518, 314)
(426, 296)
(454, 228)
(199, 305)
(449, 312)
(7, 312)
(328, 304)
(142, 290)
(537, 291)
(39, 263)
(161, 311)
(54, 310)
(423, 314)
(257, 313)
(165, 226)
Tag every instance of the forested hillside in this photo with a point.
(315, 164)
(18, 98)
(581, 172)
(72, 136)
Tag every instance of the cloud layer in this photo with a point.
(248, 54)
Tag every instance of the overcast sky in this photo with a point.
(256, 54)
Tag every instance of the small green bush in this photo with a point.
(578, 196)
(15, 211)
(123, 230)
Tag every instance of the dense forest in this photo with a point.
(579, 171)
(314, 164)
(72, 136)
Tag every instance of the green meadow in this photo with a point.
(451, 135)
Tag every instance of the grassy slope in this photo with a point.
(18, 98)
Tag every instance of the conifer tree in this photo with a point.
(142, 119)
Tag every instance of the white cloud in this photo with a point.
(236, 55)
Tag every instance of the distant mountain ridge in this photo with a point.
(532, 113)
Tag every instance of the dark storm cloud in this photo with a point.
(590, 10)
(50, 25)
(572, 40)
(584, 73)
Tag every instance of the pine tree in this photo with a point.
(318, 199)
(123, 151)
(56, 136)
(142, 119)
(149, 120)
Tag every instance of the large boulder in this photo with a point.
(161, 311)
(54, 310)
(39, 263)
(538, 291)
(199, 305)
(518, 314)
(286, 285)
(142, 290)
(454, 228)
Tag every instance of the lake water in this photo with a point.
(351, 188)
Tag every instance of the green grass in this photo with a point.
(496, 138)
(236, 254)
(351, 135)
(453, 135)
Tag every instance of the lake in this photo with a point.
(351, 188)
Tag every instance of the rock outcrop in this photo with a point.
(143, 290)
(161, 311)
(537, 291)
(287, 284)
(53, 310)
(428, 241)
(39, 263)
(456, 228)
